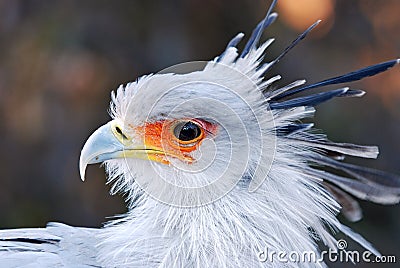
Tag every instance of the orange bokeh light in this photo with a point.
(300, 14)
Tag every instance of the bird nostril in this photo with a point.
(119, 131)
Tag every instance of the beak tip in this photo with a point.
(100, 143)
(82, 170)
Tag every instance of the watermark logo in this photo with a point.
(339, 255)
(341, 244)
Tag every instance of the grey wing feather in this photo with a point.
(57, 245)
(350, 208)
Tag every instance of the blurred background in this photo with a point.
(59, 61)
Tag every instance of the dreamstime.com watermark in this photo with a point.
(341, 255)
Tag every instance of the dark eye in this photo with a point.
(187, 131)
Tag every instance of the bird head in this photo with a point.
(186, 139)
(216, 164)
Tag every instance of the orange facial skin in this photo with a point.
(161, 142)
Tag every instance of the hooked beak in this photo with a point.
(109, 142)
(102, 145)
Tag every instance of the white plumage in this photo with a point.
(231, 171)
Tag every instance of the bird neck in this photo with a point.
(229, 232)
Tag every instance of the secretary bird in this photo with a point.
(216, 165)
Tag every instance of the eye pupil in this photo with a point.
(187, 131)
